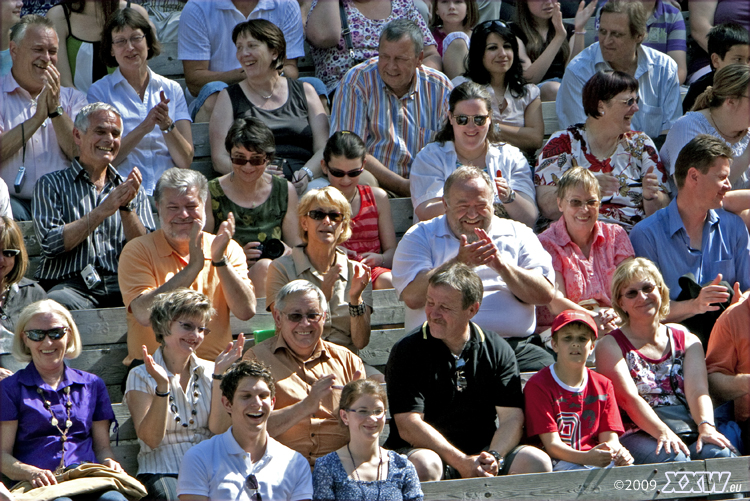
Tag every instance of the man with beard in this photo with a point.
(516, 271)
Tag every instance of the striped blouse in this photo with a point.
(365, 235)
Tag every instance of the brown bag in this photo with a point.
(87, 478)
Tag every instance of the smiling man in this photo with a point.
(622, 28)
(245, 463)
(36, 127)
(84, 215)
(309, 373)
(393, 103)
(515, 270)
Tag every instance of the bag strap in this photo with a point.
(672, 378)
(345, 31)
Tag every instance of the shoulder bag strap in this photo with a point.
(345, 31)
(672, 378)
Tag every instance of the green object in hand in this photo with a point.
(262, 335)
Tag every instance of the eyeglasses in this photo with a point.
(39, 334)
(134, 40)
(319, 215)
(297, 317)
(461, 382)
(254, 160)
(190, 327)
(251, 484)
(341, 173)
(10, 253)
(365, 413)
(633, 293)
(577, 204)
(479, 120)
(630, 102)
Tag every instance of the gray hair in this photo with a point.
(18, 31)
(181, 180)
(299, 287)
(466, 173)
(461, 278)
(82, 119)
(395, 31)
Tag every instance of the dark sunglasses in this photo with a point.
(251, 483)
(461, 382)
(479, 120)
(577, 204)
(297, 317)
(646, 289)
(489, 24)
(255, 160)
(39, 334)
(341, 173)
(319, 215)
(11, 252)
(630, 102)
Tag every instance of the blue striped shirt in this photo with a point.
(65, 196)
(394, 129)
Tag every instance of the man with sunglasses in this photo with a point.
(245, 463)
(309, 373)
(448, 383)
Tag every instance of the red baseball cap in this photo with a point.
(570, 316)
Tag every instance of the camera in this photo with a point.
(20, 178)
(271, 249)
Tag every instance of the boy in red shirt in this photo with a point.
(572, 409)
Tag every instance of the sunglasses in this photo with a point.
(479, 120)
(461, 382)
(297, 317)
(630, 102)
(11, 253)
(251, 483)
(341, 173)
(489, 24)
(190, 327)
(319, 215)
(365, 413)
(254, 160)
(577, 204)
(39, 334)
(633, 293)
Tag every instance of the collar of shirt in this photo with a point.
(229, 5)
(165, 250)
(80, 173)
(31, 377)
(561, 236)
(195, 368)
(320, 350)
(413, 89)
(302, 263)
(674, 220)
(233, 448)
(644, 61)
(476, 336)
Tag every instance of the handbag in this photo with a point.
(677, 417)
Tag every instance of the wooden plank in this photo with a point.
(126, 454)
(206, 167)
(551, 124)
(127, 430)
(201, 143)
(379, 348)
(402, 213)
(166, 63)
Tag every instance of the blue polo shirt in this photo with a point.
(725, 247)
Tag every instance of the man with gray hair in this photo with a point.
(393, 103)
(84, 215)
(36, 128)
(307, 370)
(181, 254)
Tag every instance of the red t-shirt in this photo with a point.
(577, 417)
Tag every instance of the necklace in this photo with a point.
(54, 422)
(359, 480)
(4, 296)
(465, 161)
(354, 196)
(736, 136)
(196, 397)
(266, 98)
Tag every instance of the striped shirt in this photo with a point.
(394, 129)
(65, 196)
(665, 28)
(166, 458)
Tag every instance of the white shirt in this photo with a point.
(514, 111)
(217, 469)
(5, 200)
(151, 156)
(436, 162)
(431, 243)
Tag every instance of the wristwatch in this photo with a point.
(500, 460)
(511, 198)
(169, 128)
(221, 263)
(57, 112)
(130, 207)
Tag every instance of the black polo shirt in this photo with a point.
(422, 377)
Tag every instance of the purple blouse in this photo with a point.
(38, 443)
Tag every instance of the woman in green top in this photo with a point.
(264, 206)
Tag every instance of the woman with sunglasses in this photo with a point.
(325, 219)
(469, 138)
(264, 205)
(362, 470)
(585, 252)
(494, 63)
(632, 179)
(174, 397)
(373, 240)
(53, 416)
(653, 365)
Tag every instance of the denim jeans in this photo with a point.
(159, 485)
(104, 496)
(642, 447)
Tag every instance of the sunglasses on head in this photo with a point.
(39, 334)
(11, 252)
(489, 24)
(319, 215)
(341, 173)
(251, 484)
(479, 120)
(254, 160)
(633, 293)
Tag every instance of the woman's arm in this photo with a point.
(221, 121)
(386, 231)
(157, 116)
(577, 41)
(290, 224)
(318, 120)
(323, 28)
(702, 20)
(15, 469)
(210, 222)
(538, 68)
(359, 325)
(180, 144)
(680, 57)
(454, 58)
(430, 208)
(57, 16)
(149, 412)
(219, 420)
(102, 449)
(531, 135)
(523, 209)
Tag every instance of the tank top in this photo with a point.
(252, 225)
(365, 236)
(289, 123)
(85, 64)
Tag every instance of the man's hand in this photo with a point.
(608, 184)
(318, 391)
(476, 253)
(196, 255)
(223, 235)
(52, 84)
(481, 465)
(123, 193)
(710, 295)
(494, 260)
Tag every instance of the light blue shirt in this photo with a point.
(6, 63)
(725, 247)
(659, 89)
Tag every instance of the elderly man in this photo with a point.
(307, 370)
(36, 130)
(393, 103)
(515, 270)
(693, 234)
(10, 14)
(181, 254)
(84, 215)
(447, 384)
(622, 28)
